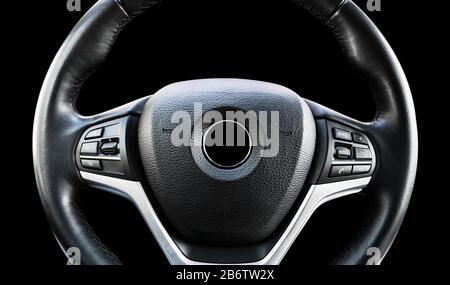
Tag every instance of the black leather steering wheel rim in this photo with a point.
(393, 131)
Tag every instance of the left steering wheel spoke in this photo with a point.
(105, 148)
(108, 144)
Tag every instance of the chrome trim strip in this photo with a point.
(316, 196)
(116, 158)
(351, 162)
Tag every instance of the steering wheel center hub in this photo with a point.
(240, 149)
(227, 144)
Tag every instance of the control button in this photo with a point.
(340, 170)
(342, 135)
(112, 131)
(357, 138)
(94, 134)
(361, 169)
(91, 164)
(343, 152)
(362, 153)
(110, 148)
(89, 148)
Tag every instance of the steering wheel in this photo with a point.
(208, 204)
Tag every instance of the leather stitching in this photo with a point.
(342, 42)
(77, 87)
(75, 91)
(114, 259)
(144, 7)
(308, 7)
(82, 79)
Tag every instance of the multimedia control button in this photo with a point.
(110, 148)
(112, 131)
(94, 134)
(89, 148)
(340, 134)
(91, 164)
(361, 169)
(343, 152)
(340, 170)
(362, 153)
(357, 138)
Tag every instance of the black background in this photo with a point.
(270, 40)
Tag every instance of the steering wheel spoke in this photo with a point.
(345, 150)
(108, 143)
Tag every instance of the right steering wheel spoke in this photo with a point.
(348, 153)
(344, 149)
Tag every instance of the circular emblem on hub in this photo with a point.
(227, 144)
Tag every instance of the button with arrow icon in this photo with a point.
(340, 170)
